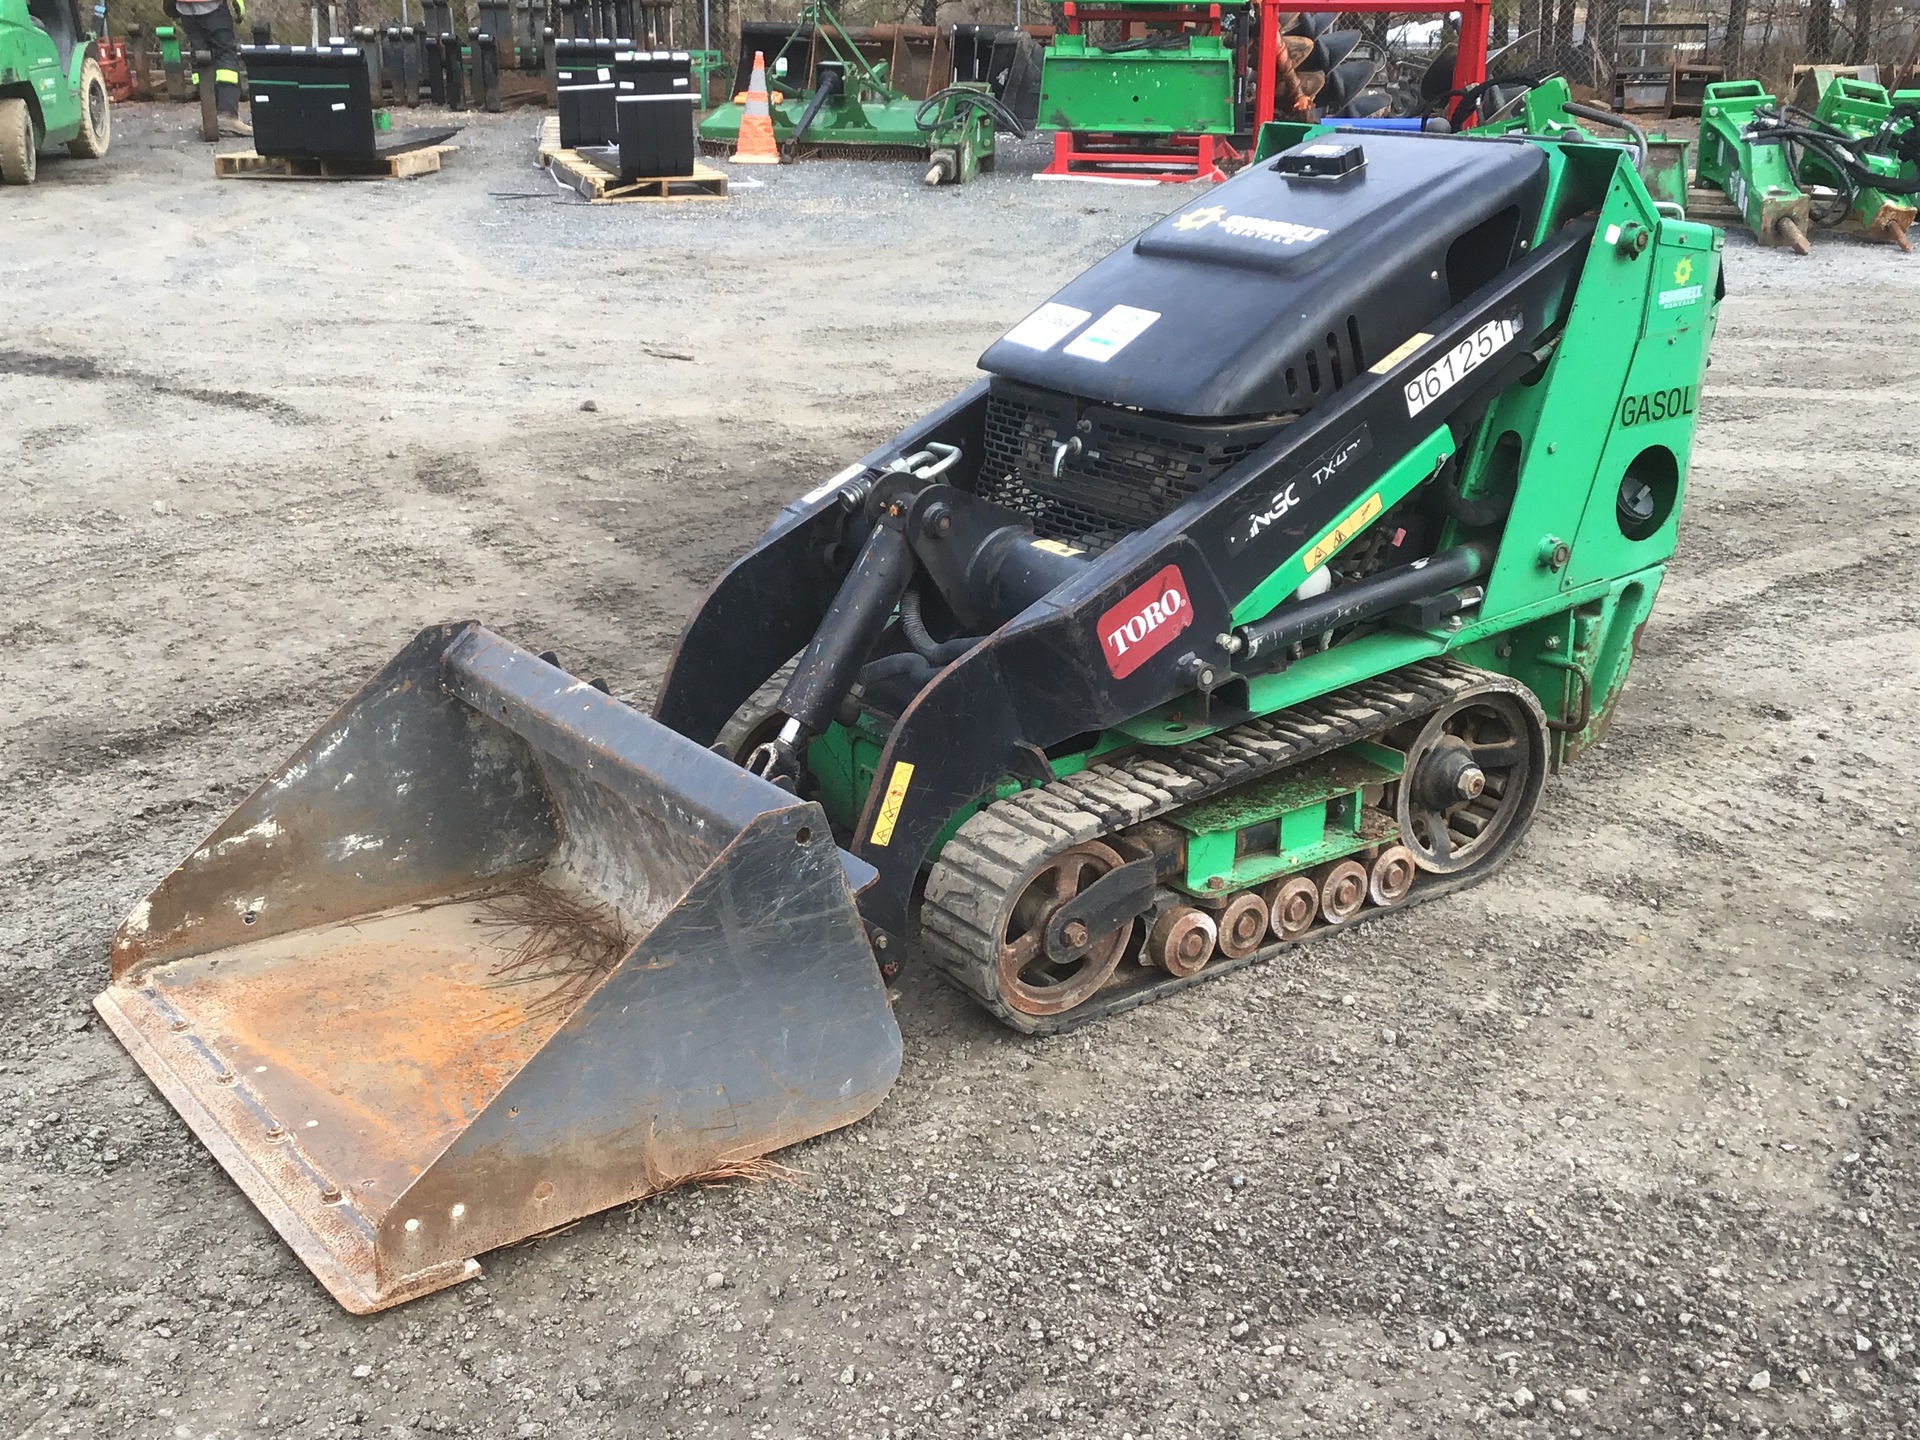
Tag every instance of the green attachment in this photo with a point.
(1855, 110)
(868, 116)
(1301, 817)
(958, 124)
(1542, 115)
(1137, 92)
(1754, 176)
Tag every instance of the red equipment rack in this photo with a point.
(1092, 155)
(1180, 158)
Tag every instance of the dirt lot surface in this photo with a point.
(1622, 1142)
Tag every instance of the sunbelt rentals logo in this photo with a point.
(1246, 227)
(1682, 293)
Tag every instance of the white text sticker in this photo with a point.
(1111, 333)
(1461, 361)
(1047, 326)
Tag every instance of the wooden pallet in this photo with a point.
(1712, 206)
(601, 186)
(250, 165)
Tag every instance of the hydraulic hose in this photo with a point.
(934, 652)
(1617, 122)
(927, 117)
(1835, 151)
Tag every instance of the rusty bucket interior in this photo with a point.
(492, 952)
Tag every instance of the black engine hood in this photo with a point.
(1272, 291)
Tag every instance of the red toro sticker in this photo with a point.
(1139, 627)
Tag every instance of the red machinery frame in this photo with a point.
(1181, 158)
(1178, 158)
(1470, 68)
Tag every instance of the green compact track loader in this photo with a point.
(1253, 592)
(52, 91)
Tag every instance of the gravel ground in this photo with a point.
(1622, 1142)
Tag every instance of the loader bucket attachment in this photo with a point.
(492, 952)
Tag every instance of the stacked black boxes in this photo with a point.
(310, 102)
(585, 89)
(655, 101)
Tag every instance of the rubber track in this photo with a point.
(991, 856)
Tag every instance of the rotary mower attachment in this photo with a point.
(492, 952)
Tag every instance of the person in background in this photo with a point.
(209, 26)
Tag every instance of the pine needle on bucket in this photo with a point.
(560, 942)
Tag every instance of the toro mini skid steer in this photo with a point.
(1253, 592)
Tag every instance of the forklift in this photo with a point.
(52, 89)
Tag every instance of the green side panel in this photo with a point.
(1576, 660)
(1137, 92)
(28, 57)
(1278, 135)
(1635, 335)
(1296, 819)
(1409, 470)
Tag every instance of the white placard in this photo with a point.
(1459, 362)
(1111, 333)
(1047, 326)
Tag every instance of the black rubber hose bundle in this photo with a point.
(927, 117)
(1837, 152)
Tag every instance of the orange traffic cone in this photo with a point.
(756, 145)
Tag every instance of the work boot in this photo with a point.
(234, 125)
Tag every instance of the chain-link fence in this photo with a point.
(1621, 51)
(1625, 51)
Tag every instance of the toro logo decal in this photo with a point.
(1140, 626)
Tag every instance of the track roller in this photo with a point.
(1391, 876)
(1243, 925)
(1343, 890)
(1182, 940)
(1293, 904)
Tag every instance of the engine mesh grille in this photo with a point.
(1131, 470)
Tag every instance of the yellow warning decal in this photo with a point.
(1324, 550)
(1057, 547)
(1400, 352)
(891, 802)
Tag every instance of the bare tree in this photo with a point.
(1735, 41)
(1819, 30)
(1603, 36)
(1862, 32)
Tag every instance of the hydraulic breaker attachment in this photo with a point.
(959, 124)
(1861, 117)
(494, 951)
(1752, 172)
